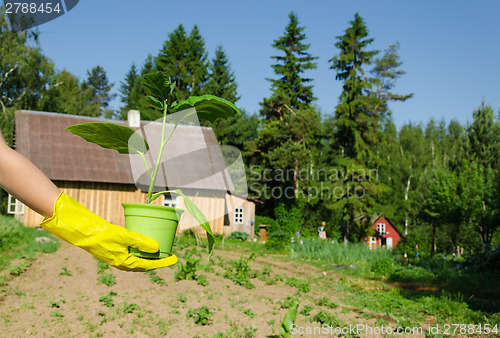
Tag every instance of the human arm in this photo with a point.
(23, 180)
(71, 221)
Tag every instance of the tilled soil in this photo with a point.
(45, 301)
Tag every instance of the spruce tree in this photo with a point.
(173, 59)
(355, 123)
(197, 63)
(97, 89)
(222, 81)
(184, 58)
(291, 66)
(356, 134)
(129, 91)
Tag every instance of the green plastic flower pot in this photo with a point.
(155, 221)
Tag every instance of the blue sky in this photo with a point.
(450, 49)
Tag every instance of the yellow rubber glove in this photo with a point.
(77, 225)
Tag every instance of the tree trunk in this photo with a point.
(406, 205)
(433, 244)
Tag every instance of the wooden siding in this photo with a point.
(105, 200)
(248, 217)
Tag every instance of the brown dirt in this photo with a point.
(28, 303)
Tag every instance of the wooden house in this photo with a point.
(101, 179)
(386, 234)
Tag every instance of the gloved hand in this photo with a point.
(75, 224)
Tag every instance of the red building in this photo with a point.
(386, 234)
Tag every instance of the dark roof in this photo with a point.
(62, 156)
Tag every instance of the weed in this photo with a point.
(54, 304)
(107, 279)
(201, 315)
(187, 271)
(107, 299)
(202, 280)
(56, 314)
(182, 297)
(129, 308)
(288, 302)
(101, 266)
(239, 272)
(18, 269)
(325, 301)
(65, 272)
(324, 317)
(250, 332)
(306, 310)
(155, 278)
(249, 313)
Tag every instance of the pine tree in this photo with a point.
(387, 71)
(291, 66)
(222, 81)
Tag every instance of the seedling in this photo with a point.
(201, 315)
(107, 299)
(126, 141)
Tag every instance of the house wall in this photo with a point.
(248, 224)
(389, 232)
(105, 200)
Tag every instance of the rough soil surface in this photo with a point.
(43, 302)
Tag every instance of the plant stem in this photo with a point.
(160, 152)
(147, 167)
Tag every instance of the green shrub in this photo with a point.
(238, 236)
(278, 240)
(382, 266)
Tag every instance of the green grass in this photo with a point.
(18, 242)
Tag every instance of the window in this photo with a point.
(15, 207)
(238, 215)
(170, 201)
(372, 242)
(381, 229)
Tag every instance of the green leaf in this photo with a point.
(200, 218)
(111, 136)
(154, 102)
(208, 107)
(288, 320)
(158, 84)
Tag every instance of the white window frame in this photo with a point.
(239, 216)
(372, 242)
(381, 229)
(171, 201)
(15, 207)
